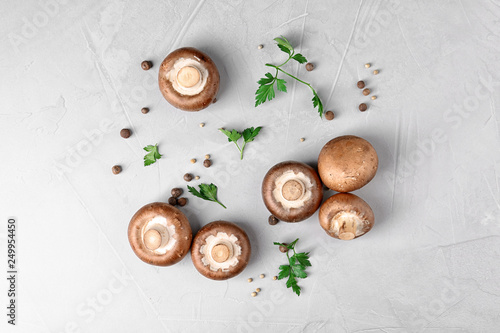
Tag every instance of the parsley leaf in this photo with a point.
(281, 85)
(152, 154)
(291, 281)
(232, 136)
(303, 258)
(300, 58)
(296, 268)
(265, 91)
(284, 271)
(266, 80)
(292, 244)
(207, 192)
(317, 103)
(299, 271)
(248, 135)
(296, 288)
(284, 45)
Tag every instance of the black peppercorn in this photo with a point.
(116, 169)
(125, 133)
(273, 220)
(172, 201)
(146, 65)
(176, 192)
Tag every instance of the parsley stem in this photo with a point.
(290, 57)
(307, 84)
(241, 150)
(220, 203)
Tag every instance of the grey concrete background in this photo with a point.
(71, 79)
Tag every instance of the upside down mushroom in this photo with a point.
(347, 163)
(292, 191)
(160, 234)
(189, 79)
(346, 216)
(221, 250)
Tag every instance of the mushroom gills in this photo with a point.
(292, 190)
(188, 76)
(348, 224)
(220, 252)
(156, 235)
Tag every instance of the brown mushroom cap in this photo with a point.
(160, 234)
(347, 163)
(346, 216)
(189, 75)
(292, 191)
(221, 250)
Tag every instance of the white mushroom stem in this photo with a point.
(292, 190)
(220, 252)
(156, 235)
(188, 76)
(347, 225)
(348, 230)
(152, 239)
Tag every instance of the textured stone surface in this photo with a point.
(71, 79)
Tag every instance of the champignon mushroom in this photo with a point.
(346, 216)
(221, 250)
(188, 79)
(347, 163)
(292, 191)
(160, 234)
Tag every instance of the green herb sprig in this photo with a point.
(207, 192)
(152, 154)
(266, 84)
(248, 135)
(296, 268)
